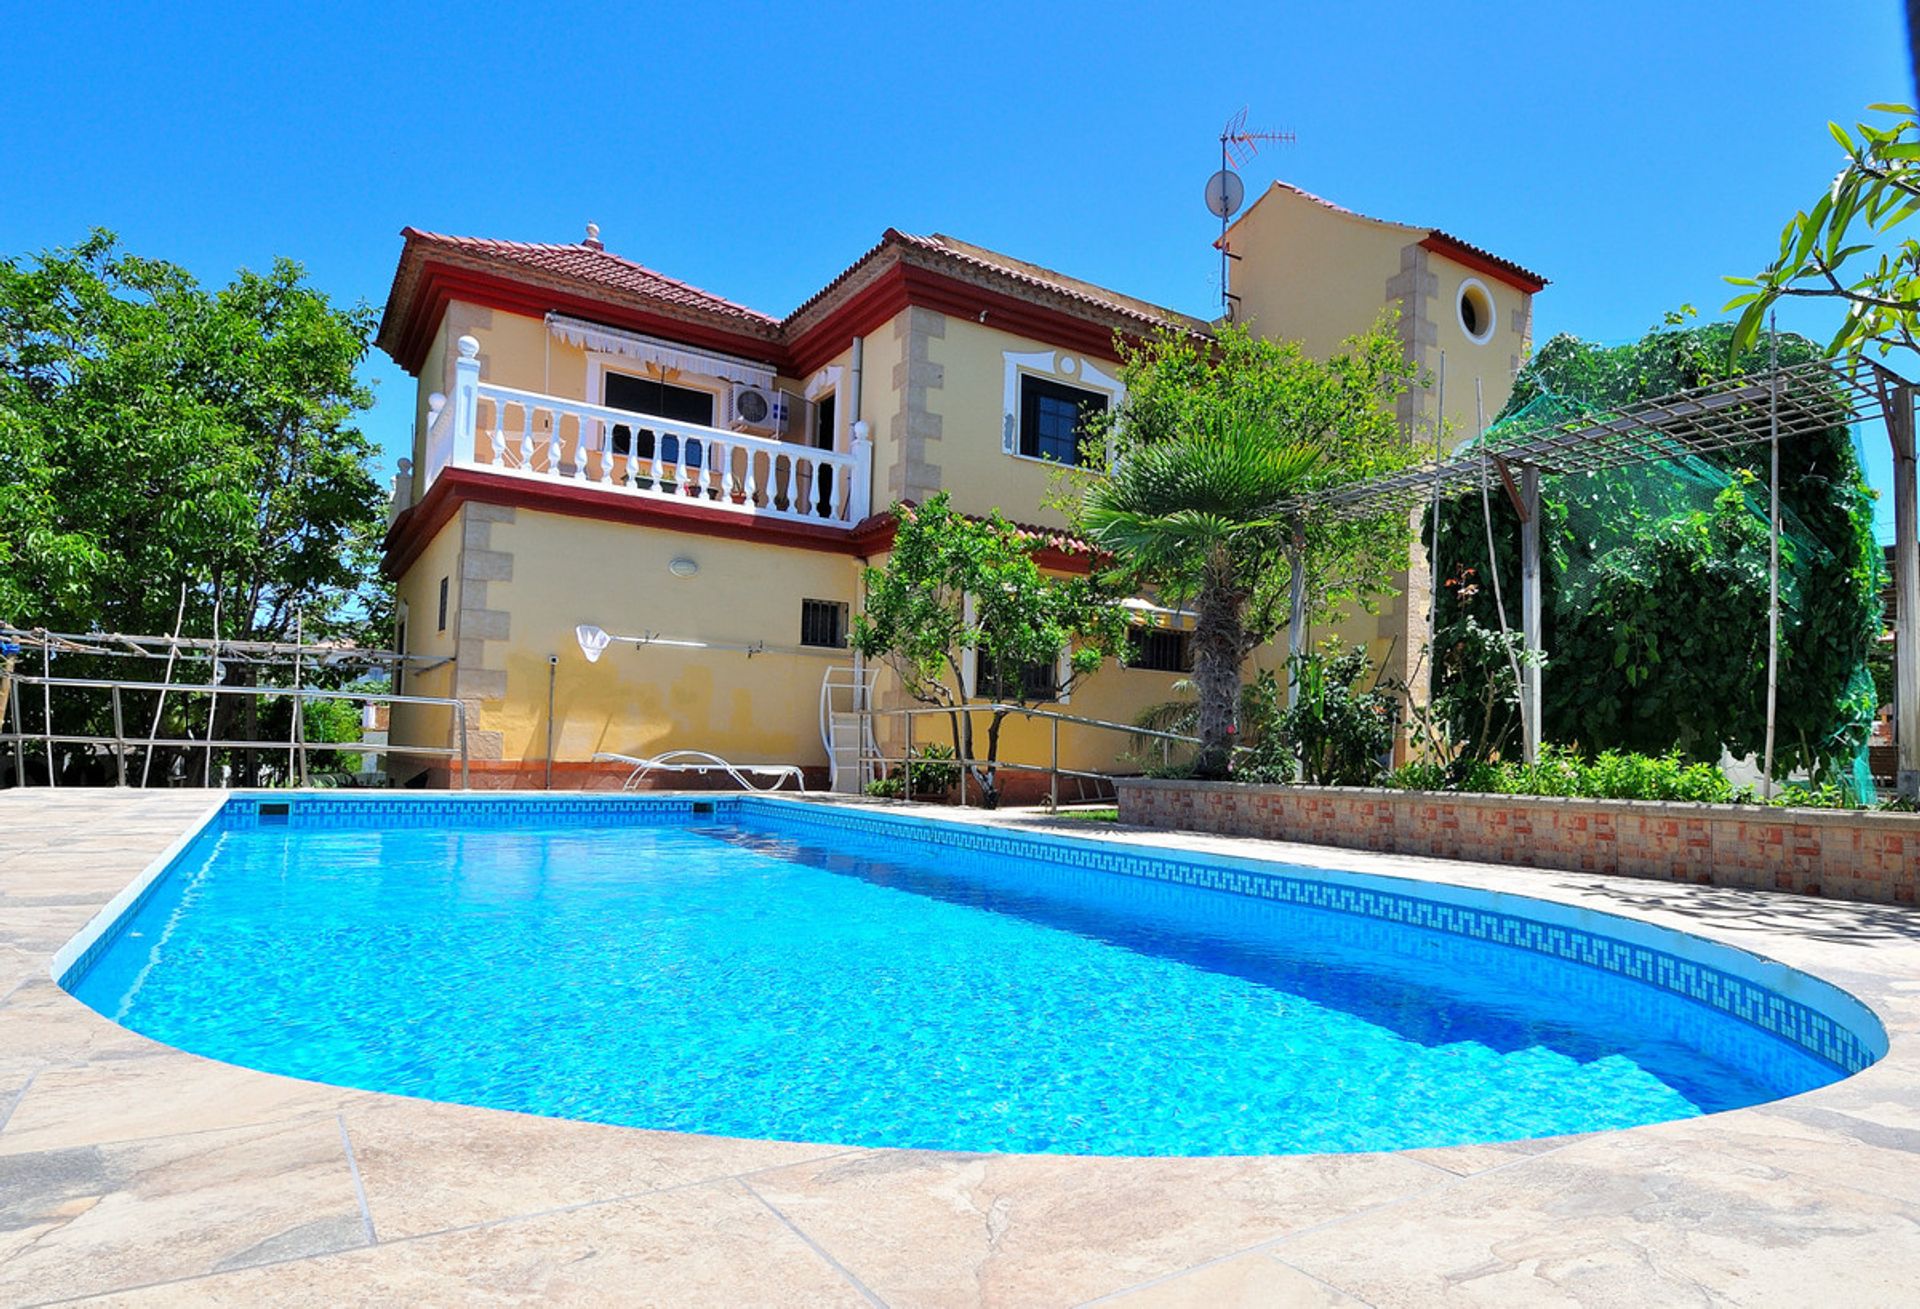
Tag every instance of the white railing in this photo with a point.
(572, 442)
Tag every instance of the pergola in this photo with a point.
(1757, 409)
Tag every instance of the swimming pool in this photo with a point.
(777, 969)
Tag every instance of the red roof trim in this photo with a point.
(1483, 261)
(416, 528)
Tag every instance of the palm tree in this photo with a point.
(1202, 514)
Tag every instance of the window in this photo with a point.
(823, 419)
(1035, 681)
(644, 395)
(823, 623)
(443, 604)
(1476, 310)
(1054, 417)
(1161, 649)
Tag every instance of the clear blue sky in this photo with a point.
(1633, 152)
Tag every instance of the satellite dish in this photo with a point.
(593, 641)
(1225, 191)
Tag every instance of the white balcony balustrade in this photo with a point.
(557, 441)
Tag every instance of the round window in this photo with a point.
(1476, 311)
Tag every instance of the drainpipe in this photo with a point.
(853, 383)
(861, 705)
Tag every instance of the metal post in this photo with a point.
(1773, 556)
(1439, 455)
(1906, 573)
(1053, 776)
(213, 679)
(1296, 612)
(906, 757)
(553, 672)
(460, 714)
(46, 708)
(19, 733)
(1530, 607)
(119, 742)
(160, 704)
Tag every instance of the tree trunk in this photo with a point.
(990, 785)
(1218, 643)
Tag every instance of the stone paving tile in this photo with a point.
(92, 1218)
(1623, 1220)
(707, 1245)
(1248, 1281)
(427, 1167)
(925, 1228)
(1465, 1160)
(43, 1023)
(157, 1096)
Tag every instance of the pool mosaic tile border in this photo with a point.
(243, 812)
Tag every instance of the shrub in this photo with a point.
(935, 772)
(1336, 732)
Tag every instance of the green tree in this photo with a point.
(959, 591)
(1213, 441)
(156, 435)
(1842, 247)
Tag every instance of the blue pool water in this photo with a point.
(746, 975)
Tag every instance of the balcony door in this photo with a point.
(644, 395)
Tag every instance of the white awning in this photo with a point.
(652, 350)
(1148, 612)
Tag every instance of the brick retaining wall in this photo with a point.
(1842, 854)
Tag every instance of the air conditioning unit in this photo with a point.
(756, 409)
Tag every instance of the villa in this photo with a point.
(599, 445)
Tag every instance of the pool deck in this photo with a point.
(134, 1171)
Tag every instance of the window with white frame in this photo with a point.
(1055, 418)
(1050, 405)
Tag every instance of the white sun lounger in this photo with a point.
(699, 761)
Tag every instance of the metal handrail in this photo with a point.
(1052, 768)
(122, 742)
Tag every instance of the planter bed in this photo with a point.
(1838, 853)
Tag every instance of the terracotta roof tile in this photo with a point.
(1074, 288)
(589, 264)
(991, 266)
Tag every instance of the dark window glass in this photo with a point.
(823, 423)
(823, 622)
(443, 604)
(1053, 418)
(1034, 681)
(644, 395)
(1161, 649)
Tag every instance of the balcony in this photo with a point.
(560, 442)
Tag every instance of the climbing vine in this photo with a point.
(1654, 586)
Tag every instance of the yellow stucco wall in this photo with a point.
(568, 571)
(418, 592)
(1311, 273)
(972, 405)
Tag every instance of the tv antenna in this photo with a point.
(1225, 190)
